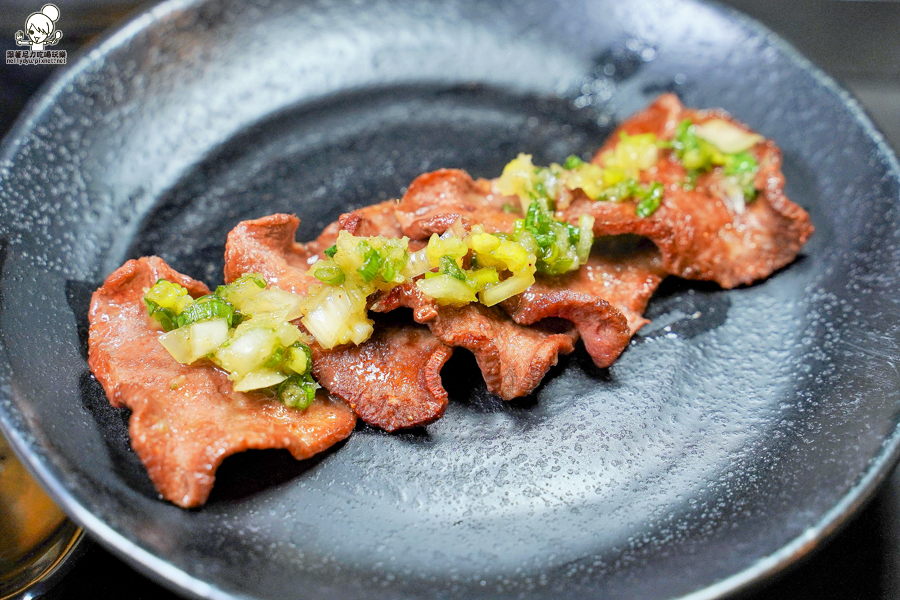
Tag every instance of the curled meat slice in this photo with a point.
(513, 359)
(593, 298)
(604, 298)
(186, 419)
(435, 200)
(701, 233)
(377, 219)
(384, 378)
(267, 246)
(622, 270)
(392, 397)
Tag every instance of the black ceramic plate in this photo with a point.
(736, 431)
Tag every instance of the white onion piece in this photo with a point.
(457, 229)
(206, 337)
(274, 302)
(446, 290)
(256, 380)
(178, 344)
(417, 264)
(249, 349)
(733, 196)
(337, 315)
(507, 288)
(727, 137)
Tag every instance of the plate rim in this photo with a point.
(179, 581)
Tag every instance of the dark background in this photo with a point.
(857, 42)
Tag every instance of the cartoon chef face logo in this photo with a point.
(40, 27)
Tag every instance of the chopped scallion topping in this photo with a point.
(205, 308)
(449, 267)
(572, 162)
(617, 180)
(298, 391)
(742, 167)
(330, 273)
(649, 199)
(699, 155)
(242, 328)
(372, 262)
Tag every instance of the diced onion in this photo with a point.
(508, 288)
(585, 237)
(206, 336)
(188, 344)
(514, 255)
(484, 242)
(632, 154)
(457, 228)
(517, 177)
(446, 290)
(588, 178)
(417, 264)
(243, 289)
(297, 361)
(361, 331)
(727, 137)
(288, 334)
(249, 350)
(178, 344)
(733, 195)
(256, 380)
(439, 247)
(336, 315)
(274, 302)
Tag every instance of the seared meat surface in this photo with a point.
(267, 246)
(393, 380)
(622, 271)
(603, 300)
(372, 377)
(186, 419)
(513, 359)
(700, 235)
(435, 200)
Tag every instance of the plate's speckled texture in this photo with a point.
(737, 430)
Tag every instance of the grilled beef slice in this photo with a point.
(700, 233)
(186, 419)
(389, 385)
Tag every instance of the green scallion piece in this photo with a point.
(372, 262)
(649, 200)
(743, 168)
(449, 267)
(164, 316)
(298, 358)
(572, 162)
(330, 274)
(298, 391)
(331, 251)
(275, 359)
(205, 308)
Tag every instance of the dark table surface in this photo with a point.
(857, 42)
